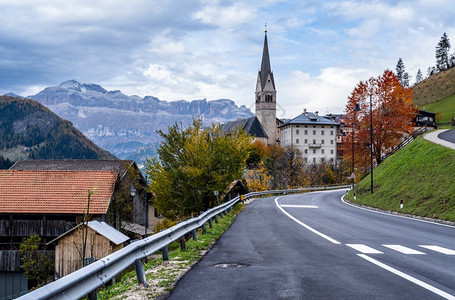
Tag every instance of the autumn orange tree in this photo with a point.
(392, 116)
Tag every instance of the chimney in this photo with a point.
(316, 113)
(305, 113)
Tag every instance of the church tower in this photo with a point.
(266, 96)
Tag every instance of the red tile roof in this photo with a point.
(62, 192)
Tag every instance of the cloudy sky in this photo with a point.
(212, 49)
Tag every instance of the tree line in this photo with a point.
(444, 61)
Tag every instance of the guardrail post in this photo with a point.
(139, 267)
(221, 215)
(216, 218)
(165, 253)
(204, 230)
(210, 223)
(182, 243)
(194, 234)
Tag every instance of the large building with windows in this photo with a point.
(314, 135)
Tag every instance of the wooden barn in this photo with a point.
(102, 240)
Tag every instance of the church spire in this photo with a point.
(266, 95)
(266, 69)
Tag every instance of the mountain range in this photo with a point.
(126, 126)
(30, 130)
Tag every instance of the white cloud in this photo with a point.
(326, 92)
(224, 16)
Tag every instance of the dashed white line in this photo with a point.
(439, 249)
(305, 225)
(298, 206)
(403, 249)
(364, 249)
(409, 278)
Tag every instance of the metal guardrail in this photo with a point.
(85, 280)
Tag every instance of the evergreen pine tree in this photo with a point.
(406, 79)
(400, 70)
(419, 76)
(442, 53)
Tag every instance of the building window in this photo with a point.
(331, 160)
(314, 159)
(306, 141)
(258, 99)
(322, 151)
(322, 142)
(306, 151)
(322, 126)
(314, 151)
(306, 126)
(268, 98)
(297, 131)
(314, 132)
(331, 132)
(306, 131)
(322, 159)
(314, 141)
(297, 126)
(297, 141)
(331, 142)
(314, 126)
(322, 132)
(331, 151)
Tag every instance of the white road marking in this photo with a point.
(389, 214)
(409, 278)
(439, 249)
(364, 249)
(298, 206)
(305, 225)
(403, 249)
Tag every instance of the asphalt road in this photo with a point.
(448, 135)
(313, 245)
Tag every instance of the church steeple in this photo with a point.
(266, 69)
(266, 95)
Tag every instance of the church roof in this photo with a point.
(308, 118)
(251, 125)
(266, 69)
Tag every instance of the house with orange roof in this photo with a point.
(50, 198)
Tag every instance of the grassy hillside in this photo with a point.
(30, 130)
(435, 88)
(446, 107)
(421, 174)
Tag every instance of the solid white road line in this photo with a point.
(364, 249)
(439, 249)
(397, 216)
(305, 225)
(403, 249)
(298, 206)
(409, 278)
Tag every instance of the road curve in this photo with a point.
(315, 246)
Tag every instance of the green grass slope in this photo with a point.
(421, 174)
(446, 107)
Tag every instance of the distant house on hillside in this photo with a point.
(425, 118)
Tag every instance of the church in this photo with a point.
(314, 135)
